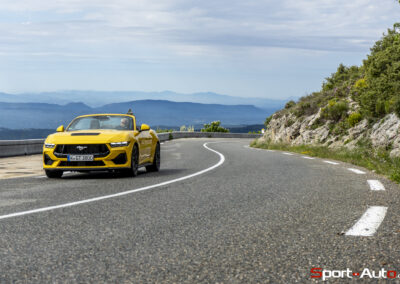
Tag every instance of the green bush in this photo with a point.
(305, 107)
(255, 132)
(289, 123)
(396, 107)
(382, 76)
(340, 128)
(290, 104)
(267, 120)
(186, 129)
(380, 108)
(335, 110)
(214, 127)
(159, 130)
(354, 118)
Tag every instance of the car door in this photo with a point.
(145, 143)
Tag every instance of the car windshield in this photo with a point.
(102, 122)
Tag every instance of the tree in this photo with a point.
(214, 127)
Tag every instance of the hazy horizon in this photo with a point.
(141, 91)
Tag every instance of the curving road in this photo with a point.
(220, 212)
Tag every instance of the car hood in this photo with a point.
(88, 136)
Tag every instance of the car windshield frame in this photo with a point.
(97, 122)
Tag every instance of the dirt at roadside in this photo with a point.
(21, 166)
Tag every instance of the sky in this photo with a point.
(254, 48)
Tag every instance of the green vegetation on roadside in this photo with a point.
(377, 160)
(186, 129)
(159, 130)
(214, 126)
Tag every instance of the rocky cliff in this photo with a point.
(357, 106)
(287, 128)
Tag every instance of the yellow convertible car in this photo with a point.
(101, 142)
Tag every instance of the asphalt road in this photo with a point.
(258, 217)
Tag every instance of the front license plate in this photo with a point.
(80, 158)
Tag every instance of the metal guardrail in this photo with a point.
(9, 148)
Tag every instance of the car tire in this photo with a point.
(155, 166)
(54, 173)
(133, 171)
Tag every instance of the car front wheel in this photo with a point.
(155, 166)
(134, 161)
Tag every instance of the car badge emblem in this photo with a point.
(80, 148)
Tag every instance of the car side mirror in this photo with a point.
(144, 127)
(60, 128)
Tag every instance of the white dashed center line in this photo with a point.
(357, 171)
(369, 222)
(375, 184)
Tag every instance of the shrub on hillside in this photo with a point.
(290, 104)
(335, 110)
(267, 120)
(396, 107)
(354, 118)
(380, 107)
(382, 75)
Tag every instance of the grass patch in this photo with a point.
(377, 160)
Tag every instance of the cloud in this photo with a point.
(321, 25)
(229, 45)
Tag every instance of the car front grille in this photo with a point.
(97, 150)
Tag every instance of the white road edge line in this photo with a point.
(65, 173)
(289, 154)
(330, 162)
(40, 176)
(357, 171)
(70, 204)
(367, 225)
(309, 158)
(375, 184)
(259, 149)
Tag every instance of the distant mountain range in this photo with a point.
(18, 134)
(100, 98)
(153, 112)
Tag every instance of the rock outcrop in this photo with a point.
(287, 128)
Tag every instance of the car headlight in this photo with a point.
(49, 145)
(119, 144)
